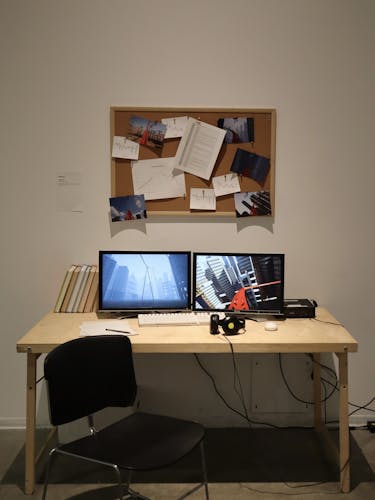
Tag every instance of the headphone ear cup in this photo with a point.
(232, 325)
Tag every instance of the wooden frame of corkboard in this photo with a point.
(264, 145)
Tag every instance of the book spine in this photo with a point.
(64, 288)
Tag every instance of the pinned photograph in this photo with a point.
(251, 165)
(238, 129)
(126, 208)
(252, 203)
(147, 133)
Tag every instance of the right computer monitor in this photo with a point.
(248, 283)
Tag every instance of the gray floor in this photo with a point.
(277, 468)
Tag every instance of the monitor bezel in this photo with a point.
(248, 313)
(139, 310)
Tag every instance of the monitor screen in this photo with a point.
(144, 281)
(242, 283)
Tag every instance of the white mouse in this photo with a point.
(270, 326)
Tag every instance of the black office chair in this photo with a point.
(91, 373)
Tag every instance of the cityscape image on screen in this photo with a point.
(246, 283)
(144, 280)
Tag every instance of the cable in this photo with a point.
(362, 407)
(285, 493)
(216, 389)
(237, 379)
(336, 388)
(288, 386)
(292, 393)
(327, 322)
(243, 415)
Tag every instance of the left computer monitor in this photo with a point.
(133, 281)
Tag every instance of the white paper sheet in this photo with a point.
(123, 148)
(158, 179)
(106, 327)
(199, 148)
(69, 192)
(175, 126)
(202, 199)
(226, 184)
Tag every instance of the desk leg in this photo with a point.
(344, 423)
(318, 422)
(30, 423)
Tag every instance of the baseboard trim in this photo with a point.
(12, 423)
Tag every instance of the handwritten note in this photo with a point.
(202, 199)
(175, 126)
(226, 184)
(123, 148)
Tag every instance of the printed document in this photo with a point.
(158, 179)
(69, 192)
(199, 148)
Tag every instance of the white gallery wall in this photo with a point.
(63, 64)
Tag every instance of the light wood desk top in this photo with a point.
(293, 335)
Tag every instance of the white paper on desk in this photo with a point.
(226, 184)
(175, 126)
(101, 327)
(158, 179)
(202, 199)
(199, 148)
(123, 148)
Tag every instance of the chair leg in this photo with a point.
(119, 482)
(49, 465)
(204, 469)
(130, 492)
(204, 482)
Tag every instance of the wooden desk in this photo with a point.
(292, 336)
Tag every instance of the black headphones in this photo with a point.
(231, 325)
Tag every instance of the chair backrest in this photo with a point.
(88, 374)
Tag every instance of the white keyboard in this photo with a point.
(180, 318)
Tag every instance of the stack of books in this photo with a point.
(79, 290)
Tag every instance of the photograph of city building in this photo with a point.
(145, 281)
(238, 282)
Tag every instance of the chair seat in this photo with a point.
(141, 441)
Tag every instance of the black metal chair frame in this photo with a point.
(88, 374)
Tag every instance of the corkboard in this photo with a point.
(264, 145)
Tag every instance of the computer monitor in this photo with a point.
(131, 281)
(246, 283)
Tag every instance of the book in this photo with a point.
(95, 305)
(92, 293)
(90, 277)
(75, 291)
(250, 165)
(83, 275)
(70, 289)
(63, 288)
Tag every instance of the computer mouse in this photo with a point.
(270, 326)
